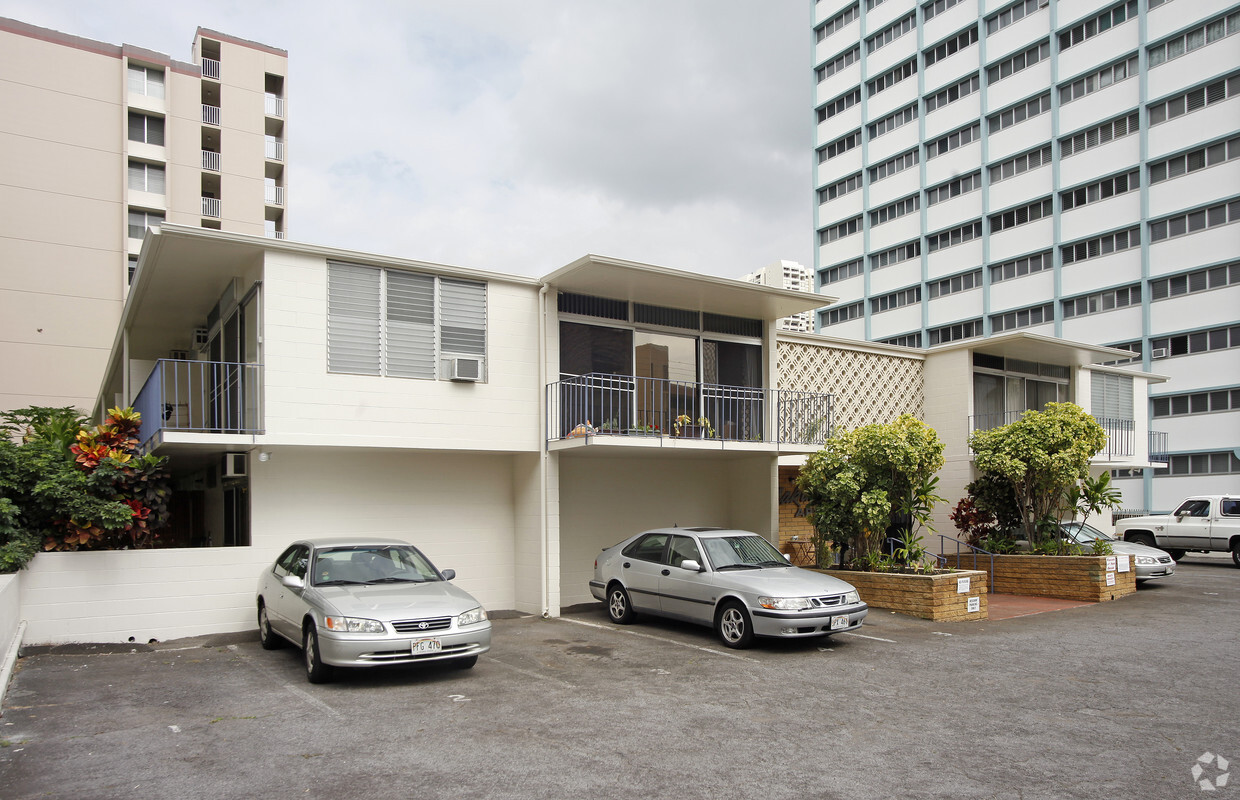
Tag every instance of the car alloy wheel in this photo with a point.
(266, 636)
(732, 625)
(618, 606)
(316, 670)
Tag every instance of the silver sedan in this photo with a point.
(733, 581)
(352, 602)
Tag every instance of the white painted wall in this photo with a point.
(10, 611)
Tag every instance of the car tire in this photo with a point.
(1176, 555)
(465, 663)
(1143, 538)
(619, 608)
(316, 670)
(1235, 552)
(733, 627)
(268, 638)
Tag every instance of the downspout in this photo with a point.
(542, 444)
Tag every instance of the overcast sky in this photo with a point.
(519, 135)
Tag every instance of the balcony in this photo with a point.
(275, 234)
(211, 68)
(274, 149)
(604, 407)
(209, 397)
(1121, 433)
(211, 207)
(210, 115)
(274, 195)
(273, 106)
(211, 160)
(1160, 447)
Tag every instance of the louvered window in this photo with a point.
(462, 326)
(410, 308)
(1110, 396)
(354, 324)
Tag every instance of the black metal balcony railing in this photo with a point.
(201, 397)
(1160, 447)
(600, 404)
(1121, 432)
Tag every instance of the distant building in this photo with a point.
(98, 143)
(787, 275)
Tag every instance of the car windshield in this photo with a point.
(741, 552)
(1084, 534)
(369, 564)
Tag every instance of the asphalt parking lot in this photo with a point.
(1113, 700)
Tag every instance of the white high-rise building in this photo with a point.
(1071, 169)
(787, 275)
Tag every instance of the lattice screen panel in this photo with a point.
(868, 387)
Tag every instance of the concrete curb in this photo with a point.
(10, 659)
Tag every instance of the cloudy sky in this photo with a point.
(518, 135)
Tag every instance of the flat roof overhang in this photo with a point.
(1045, 349)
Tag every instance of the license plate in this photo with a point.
(839, 622)
(427, 646)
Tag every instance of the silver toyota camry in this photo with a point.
(733, 581)
(352, 602)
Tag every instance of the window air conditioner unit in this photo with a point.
(465, 368)
(1158, 352)
(234, 465)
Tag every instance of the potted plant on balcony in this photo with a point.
(686, 428)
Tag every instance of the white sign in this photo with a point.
(1110, 579)
(962, 585)
(975, 604)
(1110, 563)
(1125, 563)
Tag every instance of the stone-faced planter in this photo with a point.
(942, 598)
(1090, 579)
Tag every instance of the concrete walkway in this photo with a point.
(1007, 606)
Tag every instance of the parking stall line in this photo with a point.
(863, 636)
(529, 673)
(301, 693)
(659, 639)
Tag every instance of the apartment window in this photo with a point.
(954, 140)
(845, 228)
(893, 165)
(1021, 61)
(1019, 113)
(1199, 342)
(837, 22)
(146, 129)
(952, 93)
(956, 284)
(842, 271)
(1108, 75)
(1132, 347)
(1194, 99)
(870, 5)
(890, 78)
(386, 322)
(904, 252)
(955, 44)
(839, 104)
(1101, 23)
(1193, 221)
(1098, 302)
(1197, 403)
(1201, 464)
(892, 32)
(834, 316)
(1201, 280)
(1022, 318)
(1213, 31)
(954, 236)
(1100, 246)
(1022, 266)
(1194, 160)
(954, 333)
(1110, 396)
(904, 297)
(1099, 135)
(147, 81)
(931, 10)
(839, 146)
(954, 188)
(850, 184)
(133, 266)
(1019, 164)
(1013, 14)
(139, 221)
(906, 340)
(895, 210)
(892, 121)
(838, 63)
(145, 177)
(1153, 4)
(1100, 190)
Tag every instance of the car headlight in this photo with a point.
(1146, 561)
(354, 625)
(852, 598)
(784, 603)
(472, 617)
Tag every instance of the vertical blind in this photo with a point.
(144, 128)
(146, 177)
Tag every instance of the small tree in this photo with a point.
(862, 478)
(1043, 456)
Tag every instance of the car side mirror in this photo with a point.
(448, 574)
(293, 582)
(691, 565)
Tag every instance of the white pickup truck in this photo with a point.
(1201, 524)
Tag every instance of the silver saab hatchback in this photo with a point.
(353, 602)
(733, 581)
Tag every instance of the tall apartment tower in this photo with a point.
(787, 275)
(1068, 168)
(98, 142)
